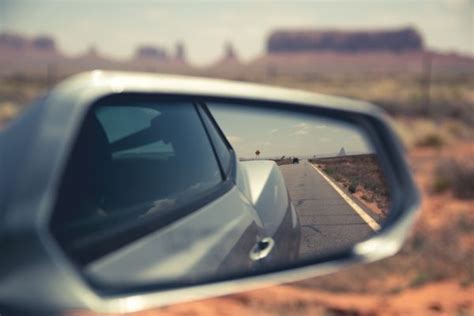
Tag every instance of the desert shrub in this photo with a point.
(440, 185)
(352, 188)
(430, 140)
(455, 129)
(338, 178)
(372, 186)
(464, 188)
(329, 170)
(455, 175)
(420, 279)
(465, 224)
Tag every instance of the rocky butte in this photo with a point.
(295, 41)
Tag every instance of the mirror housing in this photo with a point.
(35, 150)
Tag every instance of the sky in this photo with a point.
(276, 133)
(116, 27)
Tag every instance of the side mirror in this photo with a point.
(139, 191)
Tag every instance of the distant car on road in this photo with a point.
(296, 160)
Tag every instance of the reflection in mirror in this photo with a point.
(330, 171)
(170, 193)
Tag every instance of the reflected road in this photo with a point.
(328, 223)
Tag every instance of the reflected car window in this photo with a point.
(131, 163)
(122, 121)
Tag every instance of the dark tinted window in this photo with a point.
(132, 163)
(219, 144)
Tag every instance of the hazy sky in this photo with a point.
(116, 27)
(276, 133)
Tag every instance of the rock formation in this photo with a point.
(150, 52)
(344, 41)
(180, 52)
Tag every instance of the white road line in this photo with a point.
(366, 217)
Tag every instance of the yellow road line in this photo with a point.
(366, 217)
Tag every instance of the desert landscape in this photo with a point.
(430, 100)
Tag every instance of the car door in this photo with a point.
(146, 196)
(280, 234)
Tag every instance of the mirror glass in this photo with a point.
(329, 169)
(169, 193)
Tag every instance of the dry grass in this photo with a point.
(400, 94)
(428, 133)
(448, 96)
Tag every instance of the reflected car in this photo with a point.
(138, 165)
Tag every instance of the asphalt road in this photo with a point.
(328, 222)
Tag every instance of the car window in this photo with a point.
(131, 163)
(121, 121)
(221, 147)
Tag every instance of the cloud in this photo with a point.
(234, 139)
(302, 125)
(301, 129)
(301, 132)
(273, 131)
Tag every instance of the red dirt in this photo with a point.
(432, 299)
